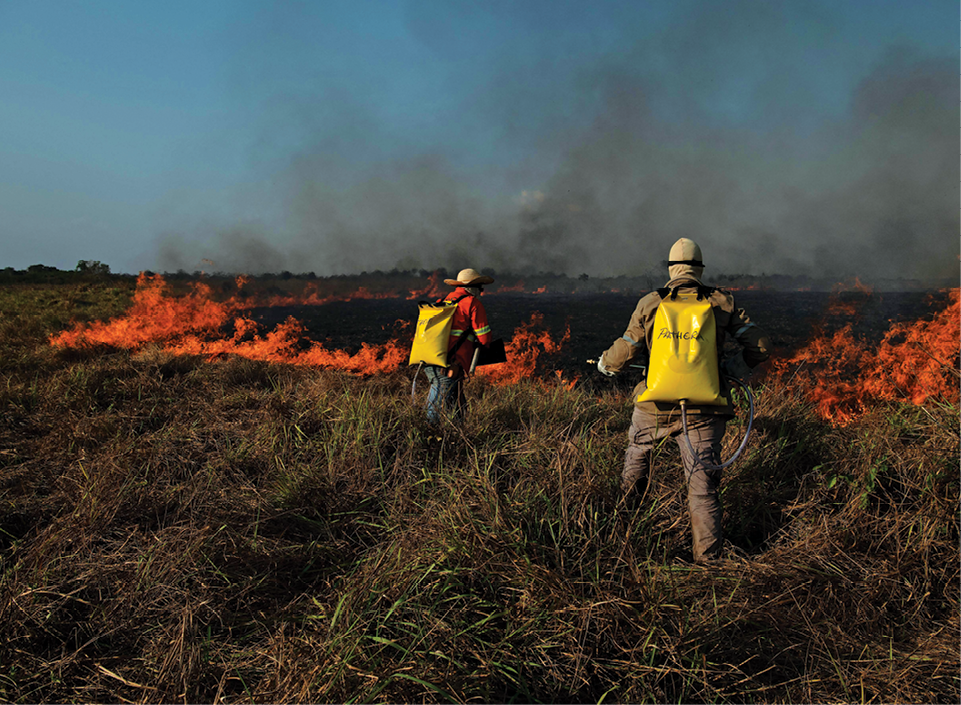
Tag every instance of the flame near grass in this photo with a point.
(842, 375)
(193, 324)
(915, 362)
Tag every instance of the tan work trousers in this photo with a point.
(703, 485)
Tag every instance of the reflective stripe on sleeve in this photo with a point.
(743, 329)
(630, 340)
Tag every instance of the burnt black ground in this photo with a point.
(596, 320)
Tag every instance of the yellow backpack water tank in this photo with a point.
(431, 337)
(683, 362)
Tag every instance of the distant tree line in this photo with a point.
(85, 270)
(400, 279)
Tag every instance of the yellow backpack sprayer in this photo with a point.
(683, 366)
(683, 363)
(432, 334)
(683, 360)
(434, 322)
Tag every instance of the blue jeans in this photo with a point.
(444, 397)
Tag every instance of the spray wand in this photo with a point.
(636, 367)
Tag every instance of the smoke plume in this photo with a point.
(705, 132)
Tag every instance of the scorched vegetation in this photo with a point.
(178, 527)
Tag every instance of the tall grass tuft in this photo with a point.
(174, 529)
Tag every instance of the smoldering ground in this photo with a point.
(597, 164)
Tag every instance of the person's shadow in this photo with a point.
(761, 486)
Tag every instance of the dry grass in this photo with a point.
(181, 530)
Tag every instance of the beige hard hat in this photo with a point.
(469, 277)
(685, 251)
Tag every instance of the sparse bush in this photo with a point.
(92, 267)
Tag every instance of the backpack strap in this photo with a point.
(703, 292)
(452, 301)
(463, 336)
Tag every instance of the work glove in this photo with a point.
(602, 369)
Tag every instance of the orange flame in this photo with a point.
(505, 289)
(431, 291)
(286, 344)
(193, 324)
(524, 350)
(915, 362)
(154, 317)
(312, 297)
(566, 383)
(249, 296)
(838, 306)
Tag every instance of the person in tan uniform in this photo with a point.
(653, 421)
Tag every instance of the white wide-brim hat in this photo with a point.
(469, 277)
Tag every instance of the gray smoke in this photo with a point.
(599, 168)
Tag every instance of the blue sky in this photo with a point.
(797, 137)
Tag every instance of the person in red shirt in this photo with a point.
(469, 330)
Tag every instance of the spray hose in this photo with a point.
(747, 433)
(413, 384)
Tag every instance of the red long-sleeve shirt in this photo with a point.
(471, 317)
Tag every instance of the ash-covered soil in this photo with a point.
(791, 318)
